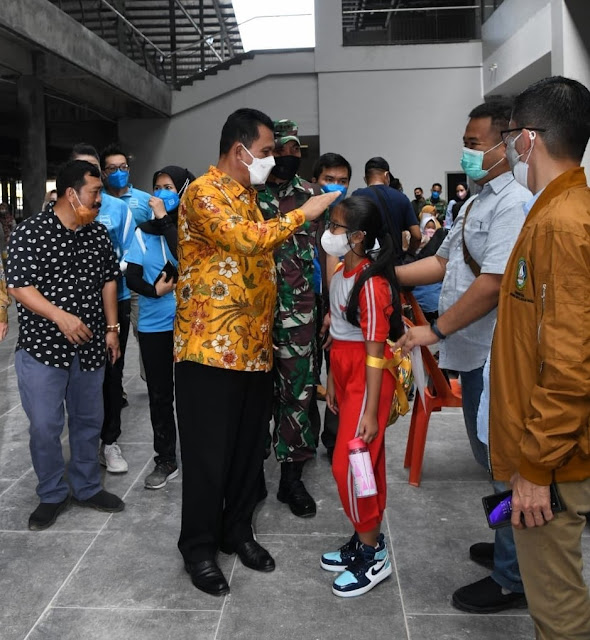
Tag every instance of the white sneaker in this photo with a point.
(110, 456)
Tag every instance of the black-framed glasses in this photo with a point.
(111, 168)
(331, 226)
(506, 134)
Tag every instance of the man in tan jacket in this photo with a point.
(540, 363)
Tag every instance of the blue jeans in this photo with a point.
(43, 390)
(506, 572)
(471, 388)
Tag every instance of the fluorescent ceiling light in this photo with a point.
(275, 24)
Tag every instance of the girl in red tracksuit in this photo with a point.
(364, 313)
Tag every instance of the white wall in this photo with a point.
(406, 103)
(571, 42)
(517, 45)
(191, 138)
(265, 64)
(391, 114)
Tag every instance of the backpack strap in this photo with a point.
(469, 260)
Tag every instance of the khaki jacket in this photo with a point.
(540, 365)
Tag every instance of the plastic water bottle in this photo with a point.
(362, 468)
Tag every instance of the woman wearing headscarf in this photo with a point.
(151, 272)
(432, 237)
(428, 227)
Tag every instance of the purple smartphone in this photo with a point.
(498, 507)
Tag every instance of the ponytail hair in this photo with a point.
(363, 214)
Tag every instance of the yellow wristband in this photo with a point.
(376, 363)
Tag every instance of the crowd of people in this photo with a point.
(240, 282)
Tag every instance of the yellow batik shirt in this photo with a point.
(226, 290)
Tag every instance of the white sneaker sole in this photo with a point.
(382, 575)
(162, 484)
(113, 469)
(332, 567)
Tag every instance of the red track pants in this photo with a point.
(347, 363)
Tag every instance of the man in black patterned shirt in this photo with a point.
(62, 272)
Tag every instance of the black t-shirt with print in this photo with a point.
(69, 268)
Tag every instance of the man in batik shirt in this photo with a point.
(223, 349)
(296, 418)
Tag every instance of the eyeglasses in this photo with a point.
(506, 134)
(331, 226)
(111, 168)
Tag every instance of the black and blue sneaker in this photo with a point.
(339, 560)
(370, 567)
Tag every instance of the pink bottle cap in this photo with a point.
(356, 443)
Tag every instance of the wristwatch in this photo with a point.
(114, 327)
(437, 332)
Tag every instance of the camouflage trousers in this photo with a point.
(294, 407)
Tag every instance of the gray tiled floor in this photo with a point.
(95, 576)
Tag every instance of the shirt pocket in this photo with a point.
(564, 317)
(476, 235)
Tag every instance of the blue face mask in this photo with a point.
(119, 179)
(331, 188)
(472, 163)
(170, 198)
(435, 195)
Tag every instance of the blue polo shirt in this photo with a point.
(117, 218)
(152, 253)
(399, 211)
(137, 201)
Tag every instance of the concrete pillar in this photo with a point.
(31, 104)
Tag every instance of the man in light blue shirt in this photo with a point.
(471, 263)
(118, 219)
(115, 175)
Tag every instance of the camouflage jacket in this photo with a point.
(294, 258)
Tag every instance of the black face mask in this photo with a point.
(286, 167)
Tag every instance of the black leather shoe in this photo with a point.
(103, 501)
(207, 576)
(46, 514)
(482, 553)
(253, 556)
(487, 596)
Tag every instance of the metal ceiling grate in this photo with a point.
(176, 40)
(375, 22)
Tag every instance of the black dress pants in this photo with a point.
(158, 362)
(112, 388)
(223, 418)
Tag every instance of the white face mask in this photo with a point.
(520, 168)
(260, 168)
(335, 245)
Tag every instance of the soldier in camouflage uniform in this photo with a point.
(295, 377)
